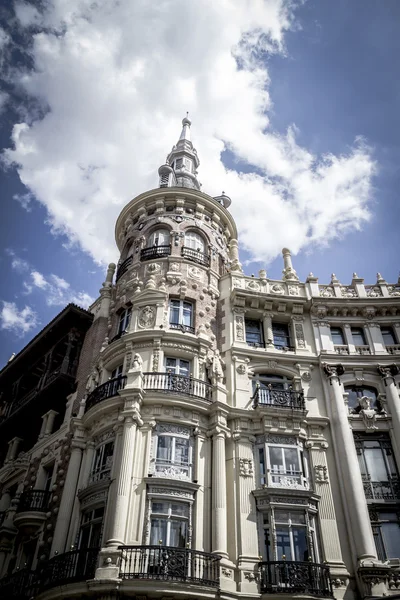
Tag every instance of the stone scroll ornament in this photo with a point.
(147, 317)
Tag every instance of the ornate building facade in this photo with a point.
(229, 436)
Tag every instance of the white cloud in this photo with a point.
(25, 200)
(18, 264)
(115, 100)
(17, 321)
(57, 291)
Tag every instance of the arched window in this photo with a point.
(195, 248)
(159, 237)
(357, 392)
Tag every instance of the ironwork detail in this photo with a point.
(21, 585)
(278, 398)
(106, 390)
(381, 490)
(34, 500)
(178, 384)
(123, 267)
(169, 564)
(182, 327)
(288, 577)
(77, 565)
(196, 256)
(155, 252)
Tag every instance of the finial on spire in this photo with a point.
(186, 123)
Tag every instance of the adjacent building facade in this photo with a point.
(229, 436)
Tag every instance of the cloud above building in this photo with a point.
(111, 82)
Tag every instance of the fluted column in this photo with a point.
(267, 324)
(357, 511)
(123, 483)
(219, 508)
(388, 375)
(199, 462)
(87, 461)
(68, 498)
(51, 415)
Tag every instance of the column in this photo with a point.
(219, 516)
(357, 511)
(349, 338)
(13, 449)
(51, 415)
(376, 339)
(388, 375)
(200, 461)
(68, 498)
(325, 336)
(123, 484)
(267, 325)
(87, 461)
(234, 256)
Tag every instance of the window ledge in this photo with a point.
(162, 486)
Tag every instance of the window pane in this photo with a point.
(281, 335)
(170, 365)
(337, 336)
(160, 507)
(253, 332)
(158, 532)
(300, 543)
(187, 314)
(184, 368)
(177, 537)
(375, 464)
(276, 459)
(181, 451)
(388, 336)
(283, 543)
(358, 336)
(179, 508)
(174, 312)
(291, 460)
(391, 539)
(164, 448)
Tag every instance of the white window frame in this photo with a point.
(159, 237)
(168, 517)
(172, 467)
(99, 471)
(195, 241)
(271, 525)
(287, 478)
(124, 320)
(182, 305)
(178, 366)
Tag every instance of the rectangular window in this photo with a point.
(173, 456)
(254, 333)
(282, 465)
(102, 462)
(91, 528)
(291, 540)
(177, 366)
(285, 465)
(386, 529)
(378, 468)
(169, 524)
(281, 335)
(388, 336)
(181, 315)
(337, 336)
(117, 372)
(48, 477)
(358, 336)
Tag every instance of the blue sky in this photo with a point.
(102, 108)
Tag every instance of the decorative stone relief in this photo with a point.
(293, 290)
(93, 498)
(237, 283)
(277, 289)
(306, 376)
(251, 576)
(348, 292)
(368, 414)
(253, 285)
(174, 267)
(374, 292)
(246, 467)
(301, 342)
(394, 290)
(239, 321)
(194, 272)
(321, 474)
(326, 291)
(147, 317)
(226, 572)
(171, 492)
(156, 360)
(241, 369)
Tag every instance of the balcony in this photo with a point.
(278, 398)
(31, 510)
(290, 479)
(21, 585)
(341, 349)
(196, 256)
(178, 384)
(123, 267)
(182, 327)
(77, 565)
(155, 252)
(381, 490)
(393, 349)
(167, 563)
(104, 391)
(292, 577)
(362, 350)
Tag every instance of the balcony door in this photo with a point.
(169, 524)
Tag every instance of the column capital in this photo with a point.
(333, 371)
(219, 432)
(388, 372)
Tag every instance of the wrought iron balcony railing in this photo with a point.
(34, 500)
(21, 585)
(178, 384)
(381, 490)
(196, 256)
(278, 398)
(292, 577)
(167, 563)
(182, 327)
(77, 565)
(106, 390)
(123, 267)
(155, 252)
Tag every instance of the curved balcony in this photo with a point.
(293, 577)
(123, 267)
(32, 508)
(21, 585)
(196, 256)
(77, 565)
(182, 327)
(155, 252)
(105, 390)
(167, 563)
(178, 384)
(269, 397)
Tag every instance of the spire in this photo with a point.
(180, 168)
